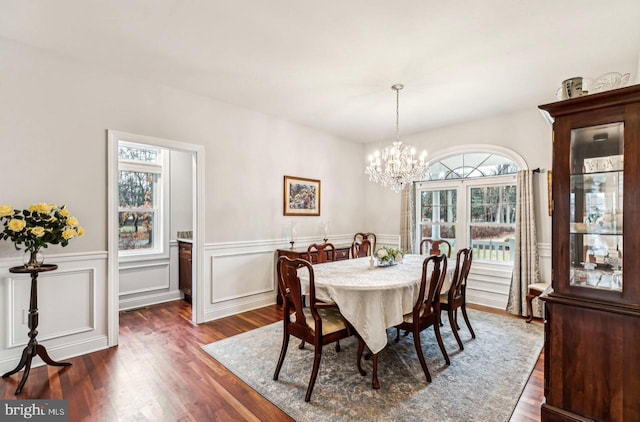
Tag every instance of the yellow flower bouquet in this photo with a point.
(39, 226)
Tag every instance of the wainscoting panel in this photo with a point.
(239, 276)
(145, 283)
(72, 303)
(144, 277)
(544, 255)
(488, 284)
(77, 315)
(244, 274)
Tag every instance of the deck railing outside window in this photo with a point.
(493, 250)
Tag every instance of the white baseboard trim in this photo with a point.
(58, 353)
(226, 309)
(148, 300)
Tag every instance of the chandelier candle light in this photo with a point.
(396, 166)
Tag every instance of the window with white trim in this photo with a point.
(141, 170)
(469, 199)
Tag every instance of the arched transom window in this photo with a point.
(469, 199)
(472, 164)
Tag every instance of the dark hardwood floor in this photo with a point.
(160, 373)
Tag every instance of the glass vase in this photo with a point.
(33, 258)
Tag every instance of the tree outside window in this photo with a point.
(493, 221)
(140, 171)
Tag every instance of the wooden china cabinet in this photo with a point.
(592, 317)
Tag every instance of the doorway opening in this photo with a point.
(155, 208)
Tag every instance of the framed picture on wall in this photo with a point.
(301, 196)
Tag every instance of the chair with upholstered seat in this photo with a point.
(324, 252)
(456, 297)
(371, 237)
(360, 249)
(433, 247)
(318, 324)
(535, 290)
(426, 311)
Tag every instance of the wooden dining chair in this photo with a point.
(318, 324)
(324, 252)
(426, 311)
(432, 247)
(360, 249)
(371, 237)
(456, 297)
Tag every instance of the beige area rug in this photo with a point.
(483, 382)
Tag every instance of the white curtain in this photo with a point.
(526, 269)
(407, 215)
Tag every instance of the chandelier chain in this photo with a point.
(397, 113)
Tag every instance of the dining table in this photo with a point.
(371, 297)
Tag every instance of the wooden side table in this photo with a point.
(33, 348)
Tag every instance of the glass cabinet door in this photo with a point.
(596, 207)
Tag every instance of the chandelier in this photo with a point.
(396, 166)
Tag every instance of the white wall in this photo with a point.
(54, 113)
(181, 193)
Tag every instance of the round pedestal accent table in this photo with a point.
(33, 348)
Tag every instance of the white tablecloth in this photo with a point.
(371, 299)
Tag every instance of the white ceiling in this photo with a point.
(330, 64)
